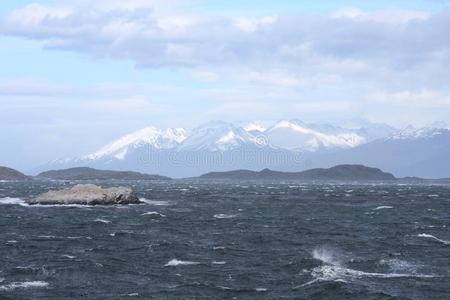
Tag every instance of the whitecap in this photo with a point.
(224, 216)
(383, 207)
(155, 202)
(84, 206)
(47, 236)
(175, 262)
(153, 213)
(327, 256)
(79, 237)
(102, 221)
(334, 273)
(429, 236)
(13, 201)
(23, 285)
(68, 256)
(396, 263)
(333, 270)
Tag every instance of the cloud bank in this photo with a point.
(287, 50)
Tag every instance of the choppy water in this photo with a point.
(253, 240)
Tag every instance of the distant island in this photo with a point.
(11, 174)
(337, 173)
(341, 173)
(84, 173)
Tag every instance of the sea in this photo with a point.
(229, 240)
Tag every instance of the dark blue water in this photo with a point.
(253, 240)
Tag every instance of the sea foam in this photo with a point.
(334, 270)
(224, 216)
(102, 221)
(23, 285)
(153, 213)
(155, 202)
(429, 236)
(383, 207)
(175, 262)
(13, 201)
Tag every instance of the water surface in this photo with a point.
(251, 240)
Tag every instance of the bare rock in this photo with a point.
(87, 194)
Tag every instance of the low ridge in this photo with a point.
(11, 174)
(340, 172)
(84, 173)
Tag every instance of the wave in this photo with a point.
(23, 285)
(398, 265)
(383, 207)
(153, 213)
(21, 202)
(429, 236)
(155, 202)
(224, 216)
(175, 262)
(333, 273)
(333, 270)
(13, 201)
(64, 237)
(102, 221)
(327, 256)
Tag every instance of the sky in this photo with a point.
(76, 74)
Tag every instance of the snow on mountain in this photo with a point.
(421, 152)
(149, 136)
(411, 133)
(288, 145)
(222, 136)
(292, 135)
(255, 128)
(299, 136)
(218, 136)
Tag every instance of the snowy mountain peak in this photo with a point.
(255, 127)
(291, 124)
(411, 133)
(297, 135)
(152, 136)
(217, 136)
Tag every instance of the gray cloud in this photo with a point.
(350, 45)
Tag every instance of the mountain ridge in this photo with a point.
(287, 145)
(85, 173)
(12, 174)
(339, 172)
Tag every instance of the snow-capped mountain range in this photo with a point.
(290, 135)
(217, 146)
